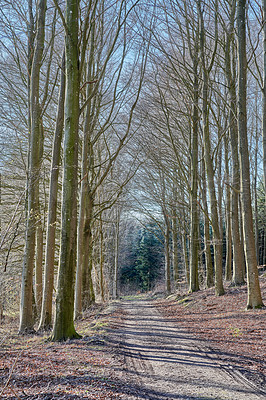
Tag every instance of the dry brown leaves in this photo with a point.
(223, 324)
(31, 368)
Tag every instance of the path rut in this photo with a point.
(163, 362)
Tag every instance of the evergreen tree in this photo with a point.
(144, 258)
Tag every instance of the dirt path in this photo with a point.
(163, 362)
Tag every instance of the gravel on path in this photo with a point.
(163, 362)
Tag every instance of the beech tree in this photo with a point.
(158, 110)
(206, 69)
(35, 151)
(231, 77)
(64, 325)
(254, 293)
(264, 103)
(46, 312)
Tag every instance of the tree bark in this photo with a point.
(230, 71)
(64, 325)
(254, 293)
(219, 289)
(116, 259)
(26, 306)
(101, 244)
(207, 240)
(264, 95)
(175, 248)
(167, 254)
(228, 263)
(88, 295)
(194, 220)
(39, 263)
(39, 239)
(86, 173)
(46, 313)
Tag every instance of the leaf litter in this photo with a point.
(32, 368)
(223, 325)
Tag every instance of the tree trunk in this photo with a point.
(218, 260)
(39, 264)
(88, 295)
(256, 155)
(264, 247)
(167, 263)
(207, 240)
(264, 94)
(101, 244)
(64, 325)
(254, 293)
(167, 258)
(175, 248)
(46, 313)
(230, 70)
(220, 188)
(228, 263)
(117, 231)
(26, 311)
(39, 241)
(86, 173)
(194, 220)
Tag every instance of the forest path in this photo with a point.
(163, 362)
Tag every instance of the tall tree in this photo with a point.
(194, 219)
(207, 241)
(228, 263)
(46, 312)
(254, 293)
(230, 72)
(264, 94)
(64, 325)
(118, 212)
(26, 311)
(206, 69)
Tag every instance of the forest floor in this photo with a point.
(194, 346)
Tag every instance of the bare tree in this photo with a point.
(64, 325)
(46, 312)
(206, 69)
(254, 293)
(35, 150)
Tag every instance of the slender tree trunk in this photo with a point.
(46, 313)
(26, 306)
(207, 240)
(264, 117)
(185, 254)
(264, 247)
(39, 240)
(228, 263)
(256, 225)
(254, 293)
(218, 256)
(64, 325)
(31, 30)
(194, 220)
(167, 256)
(175, 248)
(102, 280)
(86, 172)
(220, 189)
(264, 95)
(39, 263)
(88, 295)
(230, 67)
(117, 231)
(256, 219)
